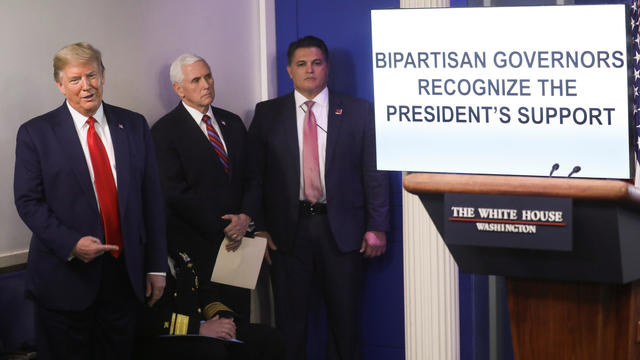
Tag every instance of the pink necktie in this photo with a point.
(105, 188)
(312, 186)
(215, 140)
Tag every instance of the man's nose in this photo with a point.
(84, 82)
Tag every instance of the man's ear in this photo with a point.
(178, 89)
(289, 71)
(61, 88)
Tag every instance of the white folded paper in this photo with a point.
(241, 267)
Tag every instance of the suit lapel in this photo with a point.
(290, 128)
(335, 120)
(193, 131)
(118, 131)
(226, 135)
(67, 136)
(229, 140)
(193, 134)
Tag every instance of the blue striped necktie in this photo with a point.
(215, 140)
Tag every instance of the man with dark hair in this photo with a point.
(86, 185)
(318, 195)
(307, 42)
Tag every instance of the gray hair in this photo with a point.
(175, 72)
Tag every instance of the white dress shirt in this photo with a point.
(102, 129)
(321, 112)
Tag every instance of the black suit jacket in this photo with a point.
(357, 194)
(55, 198)
(196, 189)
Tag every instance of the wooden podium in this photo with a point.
(579, 304)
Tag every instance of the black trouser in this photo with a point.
(316, 261)
(105, 330)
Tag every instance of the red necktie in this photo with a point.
(215, 140)
(310, 162)
(105, 188)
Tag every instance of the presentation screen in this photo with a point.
(504, 90)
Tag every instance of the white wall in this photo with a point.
(138, 40)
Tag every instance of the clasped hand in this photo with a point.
(236, 229)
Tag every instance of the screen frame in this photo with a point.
(631, 132)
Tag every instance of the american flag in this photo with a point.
(635, 29)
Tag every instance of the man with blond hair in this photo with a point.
(86, 185)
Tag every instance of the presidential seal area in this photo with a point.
(524, 221)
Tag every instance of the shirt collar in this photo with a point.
(79, 120)
(322, 98)
(196, 114)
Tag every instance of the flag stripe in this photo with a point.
(635, 9)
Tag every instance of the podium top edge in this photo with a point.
(592, 189)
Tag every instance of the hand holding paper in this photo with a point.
(241, 267)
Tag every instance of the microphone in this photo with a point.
(320, 127)
(555, 167)
(304, 110)
(576, 169)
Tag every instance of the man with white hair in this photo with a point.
(201, 159)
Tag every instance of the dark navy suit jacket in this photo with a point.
(357, 194)
(55, 198)
(197, 190)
